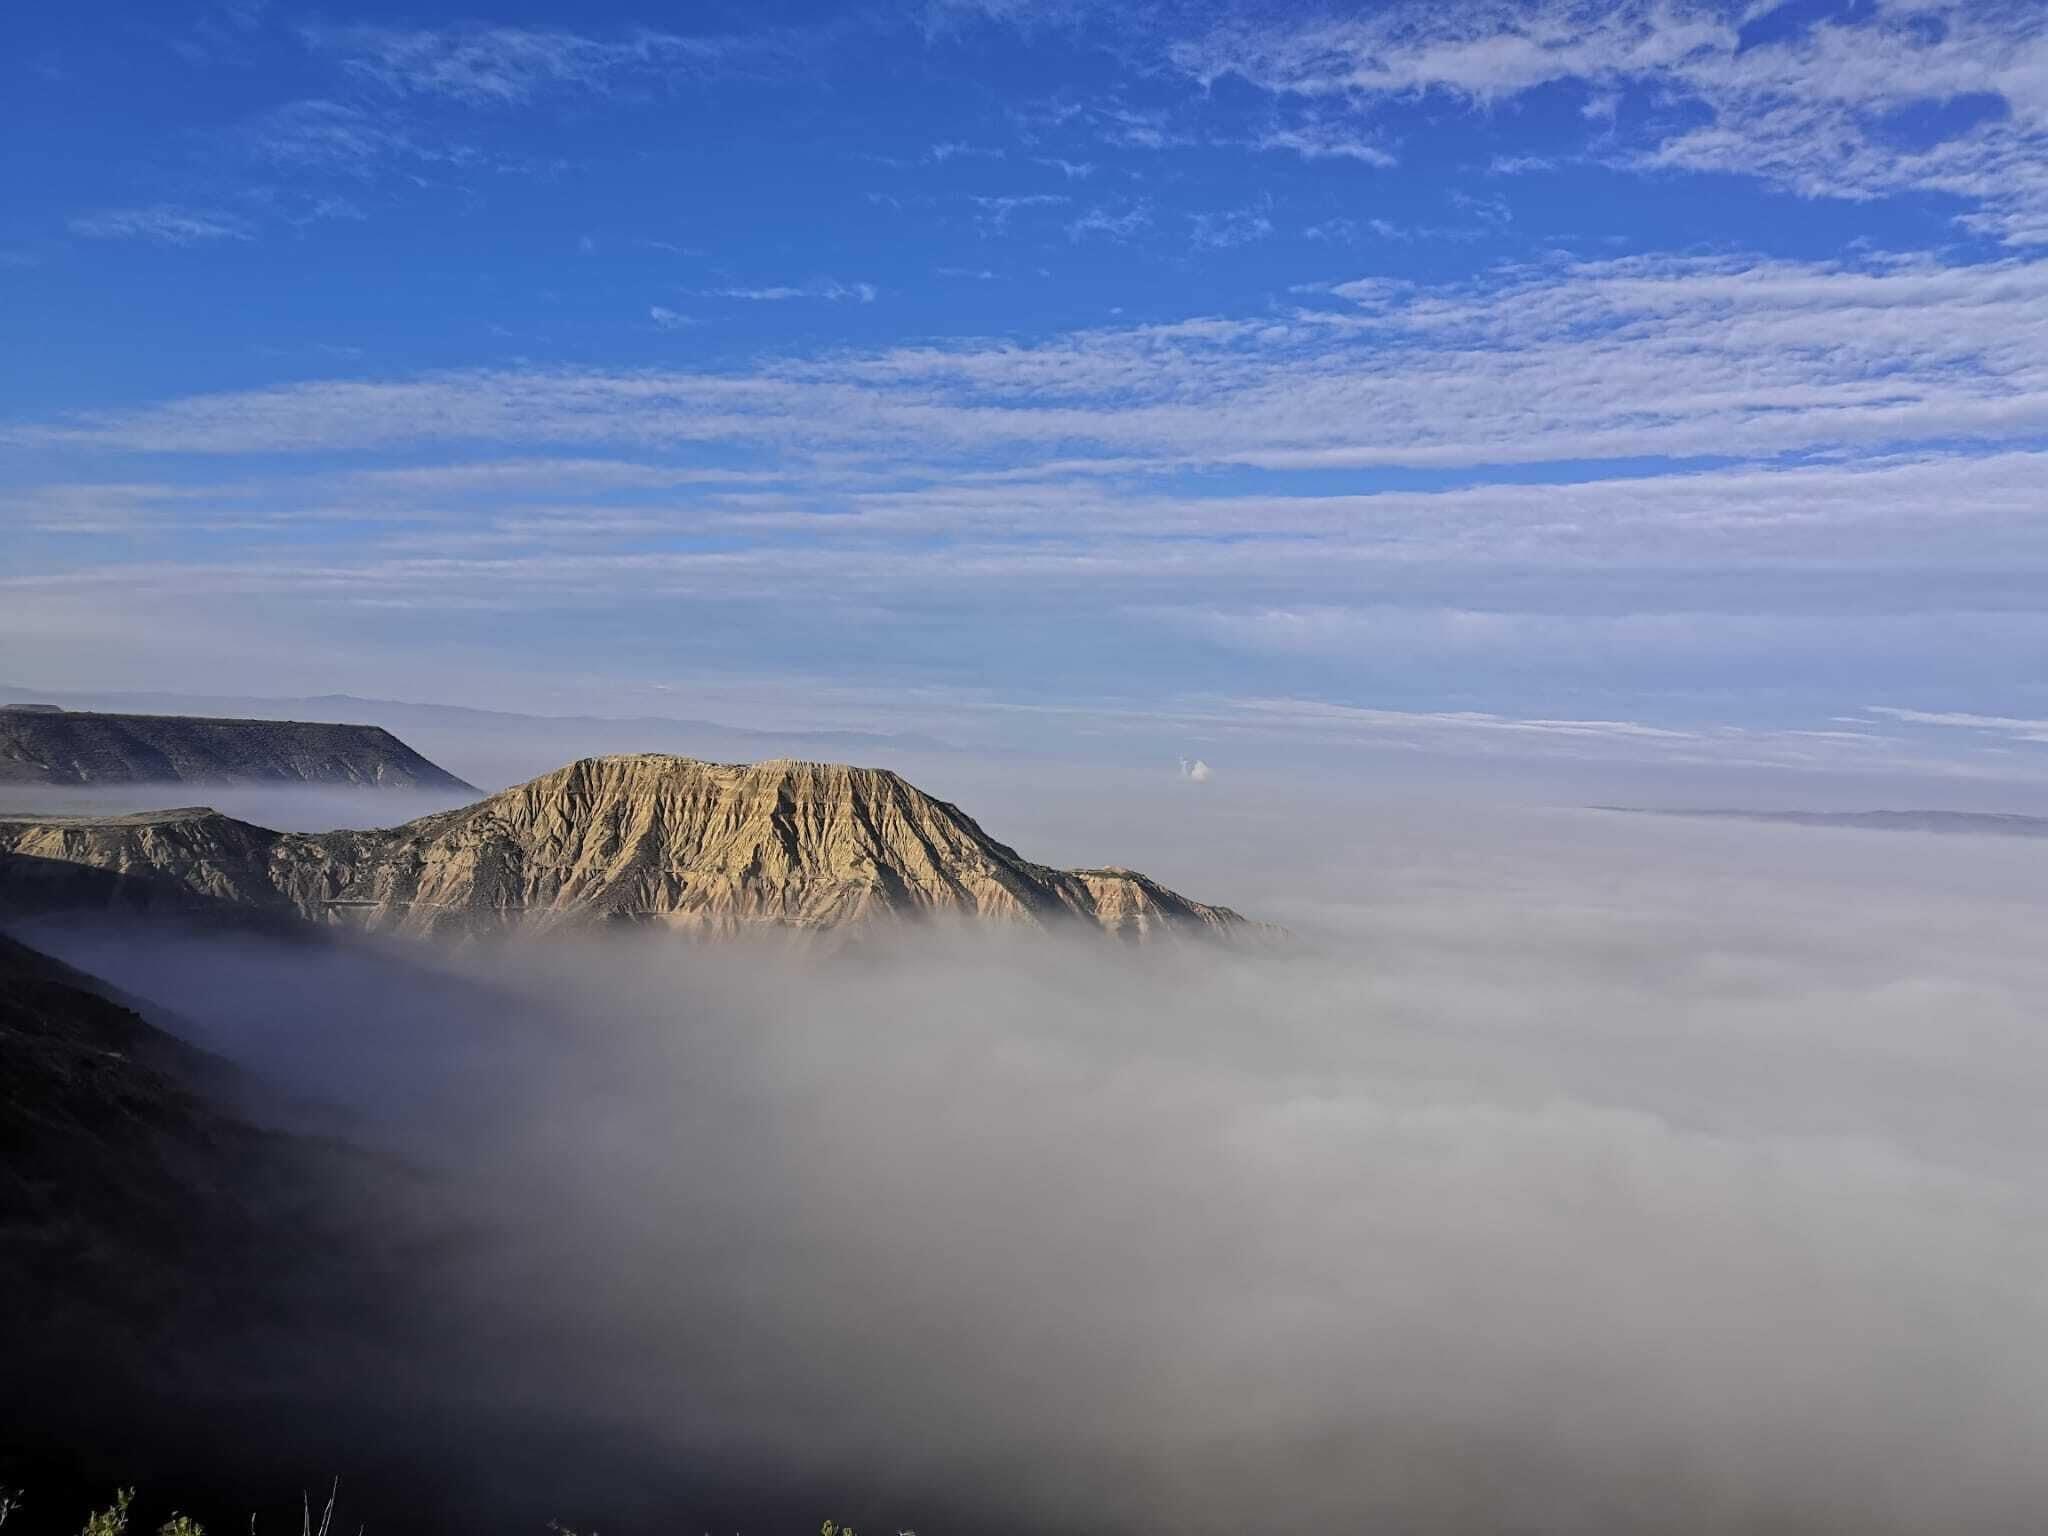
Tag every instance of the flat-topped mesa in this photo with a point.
(672, 841)
(806, 843)
(46, 745)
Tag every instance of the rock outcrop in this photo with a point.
(42, 745)
(716, 848)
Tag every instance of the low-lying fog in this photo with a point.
(1584, 1173)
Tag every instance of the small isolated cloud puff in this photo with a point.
(1195, 772)
(668, 319)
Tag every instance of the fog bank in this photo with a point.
(1586, 1172)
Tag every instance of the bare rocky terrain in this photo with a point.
(45, 745)
(711, 848)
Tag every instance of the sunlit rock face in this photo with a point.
(716, 848)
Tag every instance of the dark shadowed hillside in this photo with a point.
(116, 1170)
(154, 1247)
(62, 747)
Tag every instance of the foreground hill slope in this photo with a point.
(112, 1164)
(711, 847)
(54, 746)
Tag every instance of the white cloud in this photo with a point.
(2017, 729)
(956, 149)
(1408, 234)
(1488, 210)
(1120, 224)
(486, 66)
(1272, 574)
(164, 224)
(1809, 111)
(332, 208)
(499, 477)
(1073, 170)
(995, 213)
(335, 136)
(1643, 357)
(1236, 226)
(831, 290)
(1322, 141)
(1134, 129)
(668, 319)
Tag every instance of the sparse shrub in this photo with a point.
(113, 1520)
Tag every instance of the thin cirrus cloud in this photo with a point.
(1271, 573)
(347, 139)
(1298, 395)
(955, 149)
(1073, 170)
(1822, 111)
(163, 224)
(1231, 227)
(2017, 730)
(997, 211)
(832, 291)
(1673, 357)
(1210, 573)
(1323, 142)
(374, 117)
(502, 66)
(1056, 471)
(1110, 223)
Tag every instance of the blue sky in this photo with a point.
(1662, 380)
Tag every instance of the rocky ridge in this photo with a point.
(715, 848)
(44, 745)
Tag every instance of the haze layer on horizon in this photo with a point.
(1658, 383)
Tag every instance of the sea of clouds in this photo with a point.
(1574, 1171)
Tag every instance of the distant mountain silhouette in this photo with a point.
(40, 744)
(1991, 823)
